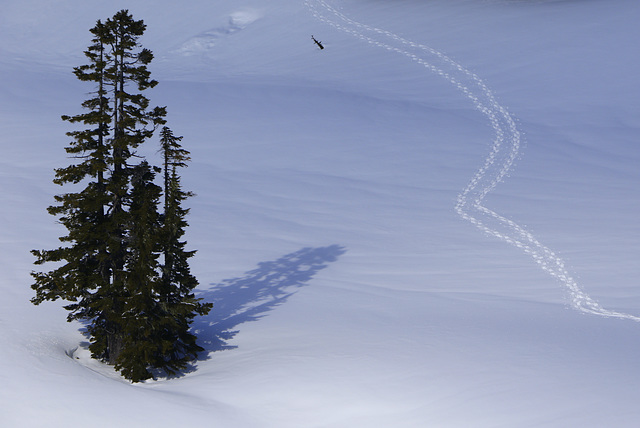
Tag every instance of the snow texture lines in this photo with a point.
(504, 151)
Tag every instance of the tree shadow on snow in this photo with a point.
(239, 300)
(252, 296)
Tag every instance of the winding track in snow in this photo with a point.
(504, 150)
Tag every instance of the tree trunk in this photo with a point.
(114, 347)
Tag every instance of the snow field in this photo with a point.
(348, 290)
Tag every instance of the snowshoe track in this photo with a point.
(504, 151)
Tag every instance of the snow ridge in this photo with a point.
(504, 151)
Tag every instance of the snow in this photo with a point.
(348, 291)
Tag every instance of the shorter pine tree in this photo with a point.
(141, 309)
(177, 283)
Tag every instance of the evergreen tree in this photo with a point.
(130, 122)
(138, 311)
(141, 311)
(177, 283)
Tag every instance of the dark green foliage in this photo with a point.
(177, 282)
(122, 266)
(141, 279)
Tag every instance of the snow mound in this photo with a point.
(207, 40)
(81, 355)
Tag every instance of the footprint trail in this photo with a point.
(505, 149)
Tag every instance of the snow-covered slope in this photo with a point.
(348, 289)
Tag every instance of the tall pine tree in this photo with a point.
(109, 265)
